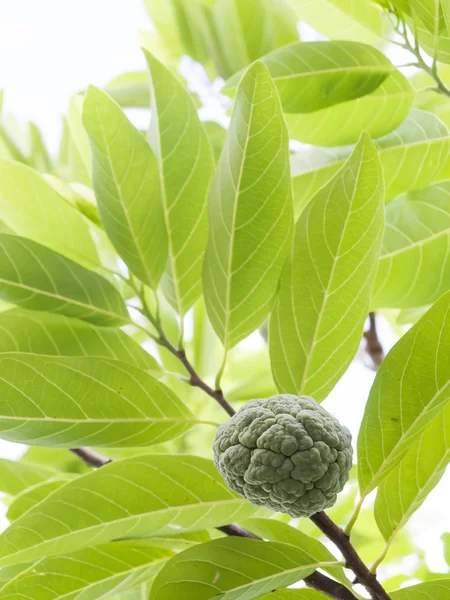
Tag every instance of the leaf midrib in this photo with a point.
(381, 152)
(299, 568)
(105, 420)
(326, 292)
(125, 573)
(233, 224)
(407, 514)
(416, 244)
(121, 198)
(65, 299)
(166, 209)
(386, 460)
(387, 69)
(105, 524)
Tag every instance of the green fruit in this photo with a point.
(284, 452)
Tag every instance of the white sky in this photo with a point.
(51, 49)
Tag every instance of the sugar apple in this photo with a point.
(284, 452)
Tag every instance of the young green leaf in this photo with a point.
(56, 335)
(186, 166)
(31, 207)
(71, 402)
(130, 90)
(89, 574)
(276, 531)
(39, 154)
(310, 76)
(232, 568)
(17, 476)
(79, 152)
(318, 319)
(138, 497)
(251, 214)
(408, 393)
(255, 27)
(377, 113)
(36, 278)
(417, 233)
(437, 590)
(127, 187)
(413, 478)
(413, 156)
(34, 494)
(358, 20)
(291, 594)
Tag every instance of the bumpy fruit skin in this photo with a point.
(284, 452)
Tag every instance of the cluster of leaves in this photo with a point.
(136, 262)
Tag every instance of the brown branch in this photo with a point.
(196, 381)
(352, 559)
(91, 458)
(328, 586)
(373, 345)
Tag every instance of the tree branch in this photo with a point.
(373, 345)
(353, 561)
(196, 381)
(91, 458)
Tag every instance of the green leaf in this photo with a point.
(231, 568)
(255, 27)
(276, 531)
(437, 590)
(408, 393)
(34, 277)
(429, 12)
(358, 20)
(377, 113)
(32, 495)
(79, 151)
(216, 135)
(39, 154)
(408, 316)
(186, 166)
(56, 335)
(408, 484)
(126, 183)
(130, 90)
(313, 75)
(417, 233)
(17, 476)
(413, 156)
(250, 212)
(31, 207)
(317, 323)
(89, 574)
(71, 402)
(56, 458)
(295, 595)
(138, 497)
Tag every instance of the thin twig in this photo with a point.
(421, 64)
(91, 458)
(373, 345)
(353, 561)
(196, 381)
